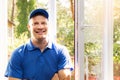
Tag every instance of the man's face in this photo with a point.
(38, 27)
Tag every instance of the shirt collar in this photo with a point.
(30, 45)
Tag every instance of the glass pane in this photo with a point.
(116, 40)
(93, 38)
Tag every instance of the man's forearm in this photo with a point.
(65, 78)
(10, 78)
(55, 77)
(64, 74)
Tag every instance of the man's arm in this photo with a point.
(55, 77)
(64, 74)
(10, 78)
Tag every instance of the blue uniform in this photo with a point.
(29, 63)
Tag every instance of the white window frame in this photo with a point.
(3, 38)
(107, 54)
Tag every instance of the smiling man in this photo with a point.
(40, 58)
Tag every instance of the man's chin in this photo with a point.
(41, 38)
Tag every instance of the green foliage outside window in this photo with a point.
(24, 7)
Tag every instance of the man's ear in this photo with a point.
(28, 26)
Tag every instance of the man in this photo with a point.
(40, 58)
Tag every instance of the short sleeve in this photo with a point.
(14, 68)
(64, 59)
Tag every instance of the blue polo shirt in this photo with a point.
(29, 63)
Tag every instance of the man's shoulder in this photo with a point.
(59, 47)
(19, 50)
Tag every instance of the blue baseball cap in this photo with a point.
(39, 11)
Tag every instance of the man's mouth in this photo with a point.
(40, 32)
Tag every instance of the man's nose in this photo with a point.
(40, 25)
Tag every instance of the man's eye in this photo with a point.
(44, 23)
(35, 24)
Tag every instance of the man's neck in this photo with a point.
(41, 44)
